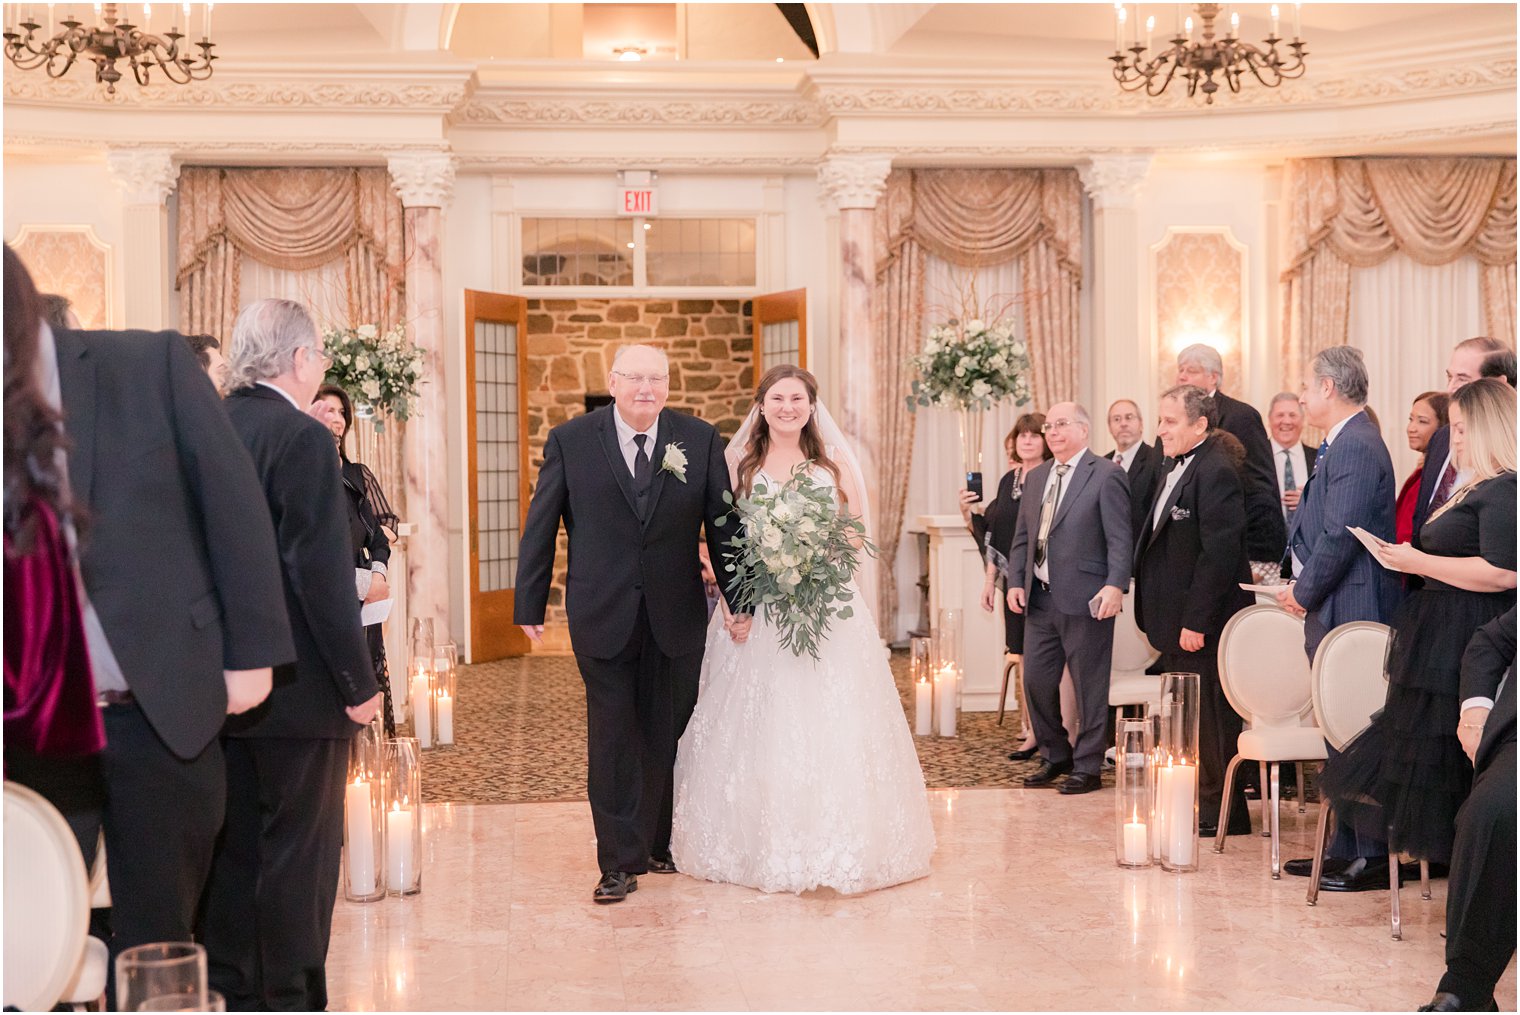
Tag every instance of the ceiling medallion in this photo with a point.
(1199, 62)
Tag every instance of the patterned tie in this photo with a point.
(642, 473)
(1048, 513)
(1319, 456)
(1443, 488)
(1289, 482)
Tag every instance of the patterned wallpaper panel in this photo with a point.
(70, 261)
(1198, 298)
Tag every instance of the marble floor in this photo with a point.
(1025, 910)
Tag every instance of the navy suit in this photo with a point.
(1430, 475)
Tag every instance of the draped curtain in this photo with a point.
(971, 218)
(1357, 213)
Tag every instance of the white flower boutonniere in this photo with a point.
(1180, 513)
(675, 461)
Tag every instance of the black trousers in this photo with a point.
(1054, 641)
(1480, 889)
(1219, 728)
(637, 706)
(269, 904)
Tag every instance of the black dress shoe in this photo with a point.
(1209, 829)
(1303, 868)
(1081, 782)
(1360, 875)
(615, 886)
(1024, 753)
(662, 865)
(1046, 774)
(1451, 1002)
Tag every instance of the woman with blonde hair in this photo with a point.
(1407, 774)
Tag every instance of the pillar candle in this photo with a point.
(400, 861)
(923, 708)
(445, 718)
(1136, 842)
(1181, 828)
(422, 715)
(945, 692)
(1163, 800)
(361, 838)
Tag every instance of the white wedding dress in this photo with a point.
(795, 774)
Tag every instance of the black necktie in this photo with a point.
(642, 473)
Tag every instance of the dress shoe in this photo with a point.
(1046, 775)
(1361, 875)
(1024, 753)
(1451, 1002)
(1081, 782)
(1303, 868)
(1209, 829)
(615, 886)
(662, 865)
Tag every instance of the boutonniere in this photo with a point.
(1179, 513)
(675, 461)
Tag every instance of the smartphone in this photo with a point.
(974, 483)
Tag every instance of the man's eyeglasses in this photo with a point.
(638, 380)
(1057, 424)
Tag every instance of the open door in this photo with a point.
(496, 339)
(780, 322)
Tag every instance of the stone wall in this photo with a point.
(570, 348)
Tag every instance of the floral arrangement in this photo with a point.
(795, 558)
(971, 366)
(379, 368)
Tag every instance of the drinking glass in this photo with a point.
(165, 969)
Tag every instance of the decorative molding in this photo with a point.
(423, 179)
(854, 181)
(145, 175)
(97, 294)
(677, 109)
(380, 92)
(612, 160)
(1113, 180)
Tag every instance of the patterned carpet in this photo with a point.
(520, 731)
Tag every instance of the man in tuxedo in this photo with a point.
(1266, 532)
(1140, 461)
(1480, 897)
(183, 611)
(269, 905)
(634, 483)
(1189, 565)
(1439, 476)
(1336, 579)
(1293, 458)
(1067, 571)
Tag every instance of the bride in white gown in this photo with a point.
(795, 773)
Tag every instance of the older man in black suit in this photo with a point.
(270, 900)
(1068, 568)
(1188, 568)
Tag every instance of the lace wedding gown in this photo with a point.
(795, 774)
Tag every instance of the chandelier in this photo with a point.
(58, 47)
(1199, 62)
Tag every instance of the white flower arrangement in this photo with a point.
(675, 461)
(382, 369)
(974, 365)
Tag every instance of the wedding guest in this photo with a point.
(1141, 461)
(1293, 458)
(369, 516)
(269, 903)
(1500, 364)
(1201, 366)
(1438, 476)
(1070, 574)
(208, 353)
(1407, 772)
(1336, 581)
(1426, 416)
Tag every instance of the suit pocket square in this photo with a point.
(1179, 513)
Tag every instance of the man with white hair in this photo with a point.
(1293, 459)
(1266, 534)
(275, 875)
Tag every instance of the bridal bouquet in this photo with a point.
(794, 559)
(381, 369)
(974, 365)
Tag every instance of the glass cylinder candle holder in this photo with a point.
(1132, 760)
(946, 699)
(363, 823)
(421, 680)
(947, 638)
(1154, 726)
(401, 801)
(921, 675)
(1178, 783)
(445, 673)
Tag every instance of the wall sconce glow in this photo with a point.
(629, 54)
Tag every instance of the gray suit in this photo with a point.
(1090, 545)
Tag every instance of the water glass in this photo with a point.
(161, 971)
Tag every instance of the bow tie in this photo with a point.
(1183, 456)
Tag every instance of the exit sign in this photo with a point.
(637, 201)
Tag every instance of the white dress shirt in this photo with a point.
(1172, 479)
(1124, 459)
(1300, 465)
(1042, 571)
(283, 393)
(626, 442)
(1335, 431)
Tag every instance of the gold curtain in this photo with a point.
(972, 218)
(1356, 213)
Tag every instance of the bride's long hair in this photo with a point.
(760, 439)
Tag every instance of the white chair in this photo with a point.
(1349, 686)
(100, 888)
(1265, 674)
(1128, 683)
(49, 956)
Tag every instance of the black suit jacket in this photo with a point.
(1266, 532)
(303, 487)
(1144, 479)
(618, 558)
(1488, 671)
(1188, 568)
(1430, 477)
(179, 556)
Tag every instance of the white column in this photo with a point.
(146, 177)
(1122, 342)
(425, 181)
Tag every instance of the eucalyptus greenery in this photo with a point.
(974, 365)
(795, 557)
(380, 368)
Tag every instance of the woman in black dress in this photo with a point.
(992, 525)
(369, 515)
(1406, 775)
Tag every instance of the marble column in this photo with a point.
(853, 183)
(146, 177)
(1124, 364)
(425, 182)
